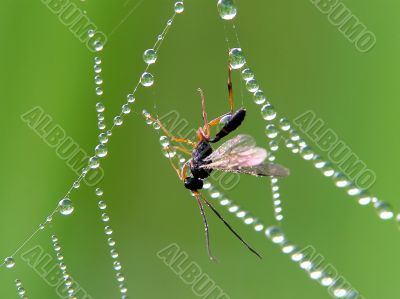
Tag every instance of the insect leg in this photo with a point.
(229, 227)
(206, 127)
(230, 88)
(170, 135)
(203, 215)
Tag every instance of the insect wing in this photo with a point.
(240, 151)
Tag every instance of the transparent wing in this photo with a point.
(240, 151)
(240, 154)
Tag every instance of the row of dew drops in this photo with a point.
(65, 206)
(298, 145)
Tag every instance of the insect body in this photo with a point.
(239, 154)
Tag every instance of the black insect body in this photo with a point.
(239, 154)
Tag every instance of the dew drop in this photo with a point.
(259, 97)
(94, 162)
(237, 59)
(364, 198)
(307, 153)
(271, 131)
(120, 277)
(108, 230)
(101, 125)
(118, 120)
(164, 141)
(273, 145)
(91, 33)
(9, 262)
(99, 91)
(150, 56)
(284, 124)
(66, 206)
(268, 112)
(102, 205)
(341, 180)
(105, 217)
(117, 266)
(98, 46)
(126, 109)
(97, 69)
(97, 60)
(247, 74)
(227, 9)
(179, 7)
(98, 80)
(252, 85)
(130, 97)
(99, 192)
(385, 211)
(103, 138)
(169, 22)
(76, 184)
(101, 150)
(147, 79)
(275, 234)
(111, 242)
(100, 107)
(114, 253)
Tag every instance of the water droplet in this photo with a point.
(252, 85)
(18, 283)
(102, 205)
(159, 37)
(284, 124)
(94, 162)
(271, 131)
(268, 112)
(9, 262)
(179, 7)
(237, 59)
(99, 91)
(108, 230)
(99, 192)
(307, 153)
(126, 109)
(168, 152)
(341, 180)
(169, 22)
(118, 120)
(97, 60)
(227, 9)
(114, 253)
(385, 211)
(54, 238)
(328, 170)
(100, 107)
(318, 162)
(91, 33)
(103, 138)
(111, 242)
(100, 116)
(98, 80)
(101, 125)
(76, 184)
(164, 141)
(105, 217)
(288, 248)
(247, 74)
(259, 97)
(156, 126)
(120, 277)
(98, 46)
(109, 133)
(101, 150)
(150, 56)
(130, 97)
(56, 247)
(117, 266)
(275, 234)
(97, 69)
(147, 79)
(66, 206)
(364, 198)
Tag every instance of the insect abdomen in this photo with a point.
(235, 121)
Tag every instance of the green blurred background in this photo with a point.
(302, 63)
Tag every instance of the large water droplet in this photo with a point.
(100, 107)
(103, 138)
(94, 162)
(9, 262)
(147, 79)
(150, 56)
(66, 206)
(179, 7)
(268, 112)
(227, 9)
(237, 59)
(275, 234)
(118, 120)
(101, 150)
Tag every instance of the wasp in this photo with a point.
(239, 154)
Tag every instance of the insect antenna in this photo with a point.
(203, 214)
(230, 227)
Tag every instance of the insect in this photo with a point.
(239, 154)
